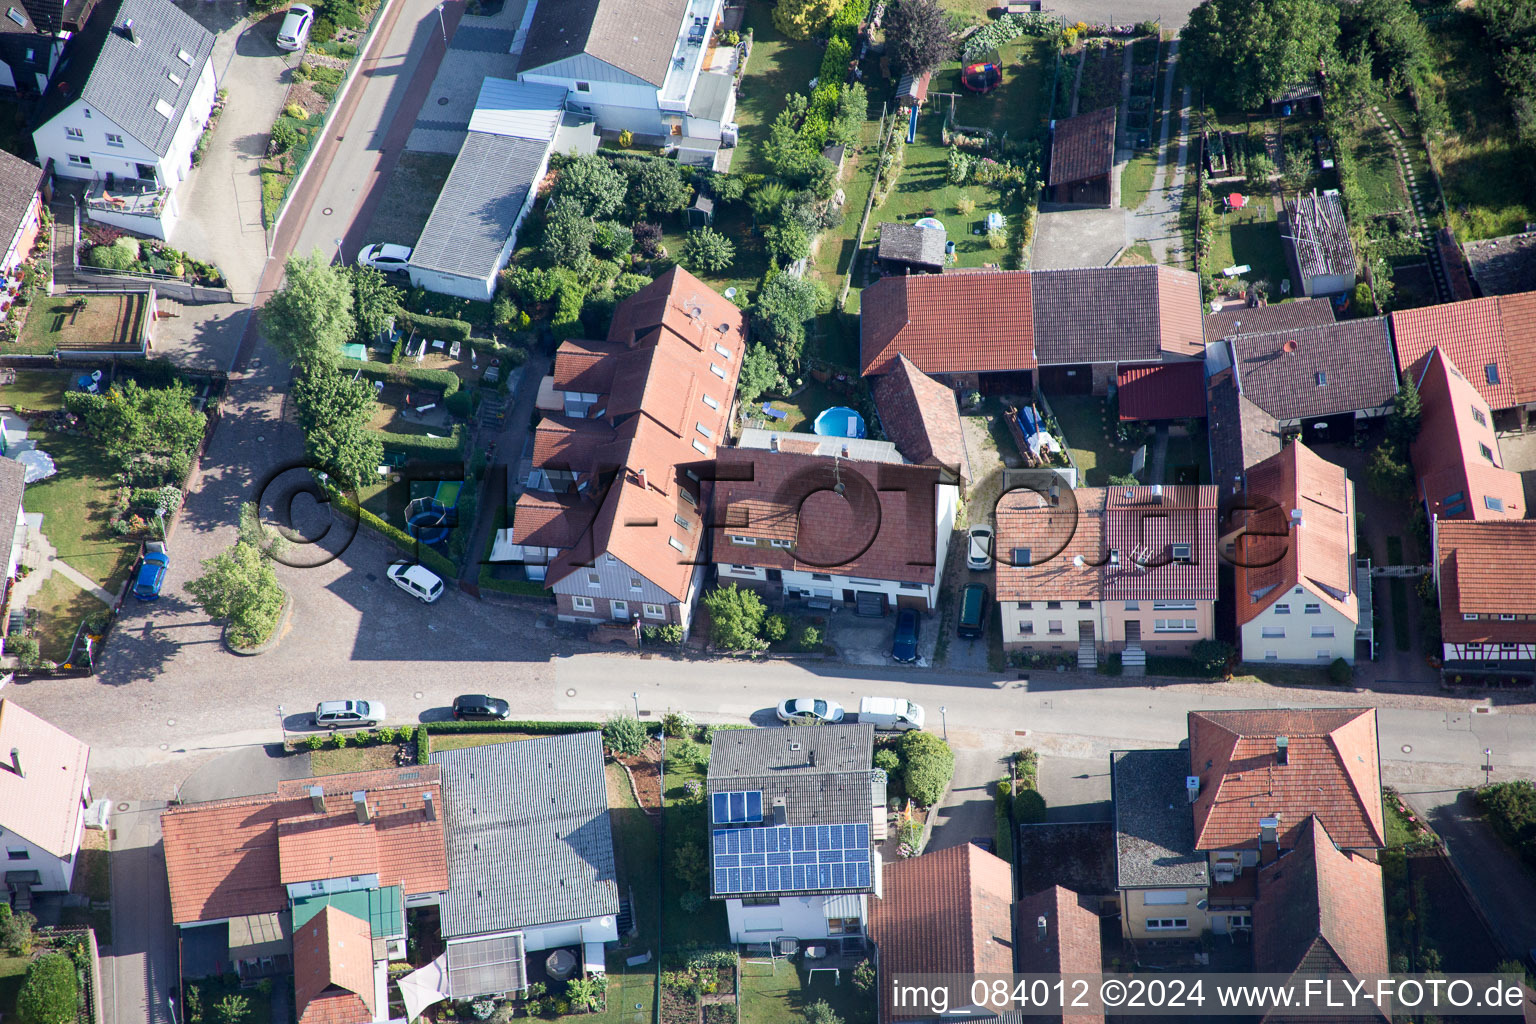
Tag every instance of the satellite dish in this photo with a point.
(1077, 560)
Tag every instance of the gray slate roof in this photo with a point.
(1241, 434)
(636, 36)
(529, 841)
(1154, 826)
(912, 244)
(835, 791)
(1277, 316)
(711, 93)
(1278, 371)
(13, 477)
(1503, 266)
(125, 80)
(474, 212)
(19, 181)
(861, 449)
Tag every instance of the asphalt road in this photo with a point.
(141, 970)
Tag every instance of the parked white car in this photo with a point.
(978, 555)
(809, 711)
(417, 580)
(384, 256)
(891, 713)
(294, 32)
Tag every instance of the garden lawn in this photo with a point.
(1082, 422)
(803, 409)
(1251, 237)
(350, 758)
(458, 740)
(1378, 174)
(1136, 178)
(734, 221)
(777, 67)
(776, 995)
(75, 504)
(685, 823)
(625, 991)
(835, 246)
(106, 321)
(13, 971)
(37, 389)
(61, 608)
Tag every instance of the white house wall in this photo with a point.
(54, 874)
(570, 933)
(617, 99)
(1298, 645)
(803, 917)
(614, 583)
(1489, 652)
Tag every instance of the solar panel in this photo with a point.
(738, 808)
(791, 858)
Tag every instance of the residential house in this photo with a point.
(473, 227)
(920, 415)
(1075, 855)
(1492, 341)
(1291, 539)
(13, 527)
(1161, 392)
(794, 815)
(1117, 569)
(610, 517)
(992, 330)
(21, 209)
(33, 34)
(946, 912)
(908, 248)
(1503, 266)
(44, 793)
(1315, 235)
(530, 853)
(871, 535)
(1162, 880)
(130, 99)
(861, 449)
(1058, 933)
(333, 979)
(1082, 156)
(649, 67)
(1487, 608)
(1237, 318)
(248, 874)
(1456, 455)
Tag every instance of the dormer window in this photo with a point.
(175, 79)
(1322, 378)
(675, 543)
(1181, 553)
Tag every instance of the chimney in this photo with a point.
(16, 763)
(1269, 845)
(1157, 494)
(128, 32)
(1040, 928)
(780, 810)
(810, 757)
(360, 804)
(642, 477)
(1282, 750)
(428, 806)
(1296, 517)
(1054, 494)
(317, 799)
(845, 451)
(1192, 787)
(773, 442)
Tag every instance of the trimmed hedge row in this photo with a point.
(426, 449)
(438, 328)
(403, 541)
(411, 376)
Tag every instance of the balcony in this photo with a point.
(131, 196)
(693, 40)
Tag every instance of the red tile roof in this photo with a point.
(225, 858)
(1332, 770)
(882, 526)
(1083, 147)
(1068, 944)
(1320, 910)
(322, 846)
(548, 520)
(1474, 562)
(964, 322)
(1047, 551)
(1456, 455)
(1272, 555)
(566, 444)
(1162, 391)
(585, 365)
(43, 806)
(1497, 332)
(947, 912)
(333, 969)
(921, 418)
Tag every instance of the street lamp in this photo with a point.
(441, 27)
(338, 252)
(944, 718)
(282, 724)
(1487, 765)
(636, 696)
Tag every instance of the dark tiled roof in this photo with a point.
(1475, 579)
(19, 181)
(1280, 316)
(529, 841)
(13, 486)
(1154, 833)
(948, 323)
(1115, 314)
(636, 36)
(920, 415)
(1083, 147)
(835, 790)
(909, 243)
(1162, 391)
(1079, 855)
(1503, 266)
(1241, 433)
(53, 16)
(1279, 372)
(126, 80)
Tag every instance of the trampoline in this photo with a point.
(839, 421)
(431, 519)
(982, 78)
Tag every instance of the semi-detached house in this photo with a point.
(1487, 606)
(44, 794)
(33, 34)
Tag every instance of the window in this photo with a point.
(1322, 378)
(1506, 618)
(635, 583)
(31, 54)
(717, 370)
(1133, 606)
(1495, 504)
(688, 496)
(759, 901)
(74, 133)
(745, 542)
(1084, 604)
(184, 57)
(582, 604)
(912, 586)
(1322, 631)
(843, 926)
(1282, 609)
(583, 86)
(698, 446)
(675, 543)
(1313, 608)
(1173, 625)
(175, 80)
(1324, 655)
(1173, 606)
(79, 161)
(711, 402)
(17, 853)
(750, 570)
(1027, 627)
(1508, 647)
(87, 112)
(317, 887)
(681, 521)
(725, 353)
(1469, 616)
(114, 140)
(1024, 606)
(1165, 898)
(1053, 626)
(1491, 371)
(1487, 452)
(1181, 552)
(1167, 924)
(1273, 632)
(1477, 414)
(655, 611)
(1053, 604)
(164, 109)
(1114, 556)
(1476, 645)
(1240, 920)
(17, 17)
(702, 429)
(777, 542)
(824, 577)
(1271, 655)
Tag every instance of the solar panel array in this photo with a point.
(738, 808)
(791, 858)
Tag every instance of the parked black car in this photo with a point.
(477, 707)
(904, 645)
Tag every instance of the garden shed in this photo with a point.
(1317, 246)
(1082, 155)
(702, 213)
(907, 248)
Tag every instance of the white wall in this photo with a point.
(571, 933)
(617, 106)
(803, 917)
(1298, 645)
(54, 874)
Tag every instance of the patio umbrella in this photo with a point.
(39, 464)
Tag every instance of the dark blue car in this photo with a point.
(904, 647)
(146, 585)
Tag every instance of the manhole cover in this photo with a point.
(261, 437)
(124, 805)
(165, 746)
(417, 695)
(570, 692)
(442, 101)
(326, 211)
(170, 721)
(1407, 748)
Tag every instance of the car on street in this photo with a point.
(477, 707)
(973, 611)
(809, 711)
(904, 646)
(417, 580)
(978, 552)
(345, 714)
(151, 577)
(294, 32)
(384, 256)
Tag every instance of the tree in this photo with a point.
(1249, 51)
(928, 765)
(783, 308)
(736, 618)
(232, 1009)
(659, 189)
(789, 241)
(626, 285)
(801, 19)
(767, 200)
(1387, 474)
(624, 734)
(917, 35)
(1213, 656)
(350, 454)
(705, 249)
(789, 150)
(759, 373)
(848, 119)
(374, 303)
(568, 235)
(240, 587)
(1395, 36)
(334, 411)
(727, 188)
(1403, 422)
(530, 286)
(1339, 672)
(51, 992)
(864, 975)
(310, 318)
(821, 1012)
(613, 239)
(587, 994)
(130, 422)
(16, 928)
(593, 184)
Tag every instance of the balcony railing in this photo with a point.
(126, 195)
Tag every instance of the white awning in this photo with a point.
(846, 905)
(421, 988)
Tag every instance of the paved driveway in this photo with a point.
(141, 970)
(1066, 238)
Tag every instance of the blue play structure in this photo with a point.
(912, 127)
(839, 421)
(431, 519)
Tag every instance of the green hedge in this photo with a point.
(423, 448)
(410, 376)
(402, 540)
(438, 328)
(1029, 807)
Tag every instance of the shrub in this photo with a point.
(109, 257)
(624, 734)
(1029, 807)
(569, 298)
(26, 648)
(810, 639)
(820, 1012)
(339, 740)
(1340, 672)
(284, 137)
(676, 723)
(296, 112)
(16, 930)
(690, 753)
(1213, 656)
(736, 617)
(887, 760)
(460, 403)
(909, 838)
(775, 628)
(965, 206)
(864, 975)
(416, 378)
(707, 250)
(928, 766)
(314, 742)
(671, 634)
(1510, 808)
(434, 327)
(51, 992)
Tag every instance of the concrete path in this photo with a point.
(44, 561)
(1156, 221)
(967, 811)
(1124, 142)
(140, 970)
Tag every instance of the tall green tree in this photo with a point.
(801, 19)
(659, 189)
(1249, 51)
(310, 318)
(917, 34)
(240, 587)
(129, 422)
(736, 618)
(783, 308)
(707, 250)
(334, 411)
(593, 184)
(759, 372)
(1403, 423)
(568, 235)
(374, 303)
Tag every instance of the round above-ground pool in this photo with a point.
(839, 421)
(929, 222)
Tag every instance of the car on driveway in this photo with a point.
(151, 577)
(904, 646)
(477, 707)
(417, 580)
(384, 257)
(294, 32)
(809, 711)
(347, 714)
(978, 553)
(973, 611)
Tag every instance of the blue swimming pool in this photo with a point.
(839, 421)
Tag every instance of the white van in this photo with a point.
(891, 713)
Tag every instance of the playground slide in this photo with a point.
(912, 127)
